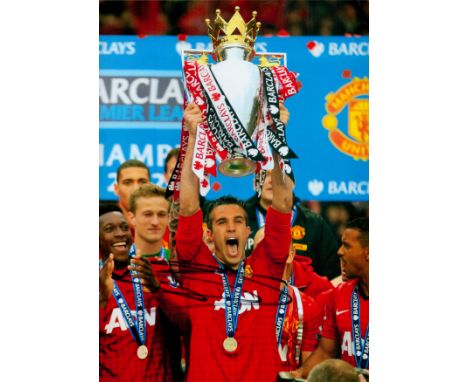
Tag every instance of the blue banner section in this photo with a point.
(141, 106)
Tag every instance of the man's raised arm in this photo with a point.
(278, 219)
(189, 186)
(282, 184)
(189, 233)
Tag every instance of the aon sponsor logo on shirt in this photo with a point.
(117, 319)
(347, 345)
(248, 302)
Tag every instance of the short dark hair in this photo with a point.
(132, 163)
(105, 208)
(333, 370)
(223, 200)
(361, 225)
(145, 191)
(173, 153)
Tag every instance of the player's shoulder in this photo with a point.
(346, 287)
(306, 298)
(195, 216)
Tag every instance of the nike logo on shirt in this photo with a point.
(338, 312)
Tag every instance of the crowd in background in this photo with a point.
(337, 214)
(278, 17)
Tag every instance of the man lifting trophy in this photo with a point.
(239, 100)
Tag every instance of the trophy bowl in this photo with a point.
(240, 82)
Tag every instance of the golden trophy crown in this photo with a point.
(233, 33)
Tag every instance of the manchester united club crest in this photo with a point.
(355, 96)
(297, 232)
(248, 271)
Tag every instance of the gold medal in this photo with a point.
(230, 344)
(142, 352)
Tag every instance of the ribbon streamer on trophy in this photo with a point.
(239, 95)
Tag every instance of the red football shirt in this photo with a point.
(118, 359)
(306, 279)
(289, 339)
(203, 307)
(338, 322)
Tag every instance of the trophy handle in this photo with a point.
(204, 56)
(271, 59)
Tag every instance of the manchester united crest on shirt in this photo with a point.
(248, 271)
(297, 232)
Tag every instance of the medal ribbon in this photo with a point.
(261, 217)
(161, 255)
(359, 354)
(232, 300)
(300, 326)
(282, 304)
(139, 302)
(281, 313)
(138, 329)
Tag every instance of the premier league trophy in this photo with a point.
(240, 102)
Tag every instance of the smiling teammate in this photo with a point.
(114, 235)
(128, 352)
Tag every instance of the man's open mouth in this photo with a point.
(232, 246)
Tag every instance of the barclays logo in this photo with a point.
(315, 187)
(119, 48)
